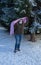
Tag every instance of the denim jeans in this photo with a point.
(18, 41)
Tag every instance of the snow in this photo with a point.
(30, 53)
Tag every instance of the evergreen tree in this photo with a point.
(13, 9)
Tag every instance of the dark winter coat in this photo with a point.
(18, 28)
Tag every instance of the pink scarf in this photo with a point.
(24, 19)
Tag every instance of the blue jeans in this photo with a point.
(18, 41)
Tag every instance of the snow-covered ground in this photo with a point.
(30, 53)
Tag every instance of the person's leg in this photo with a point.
(16, 42)
(33, 37)
(19, 42)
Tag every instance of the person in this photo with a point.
(17, 28)
(33, 28)
(18, 31)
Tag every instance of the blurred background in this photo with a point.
(14, 9)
